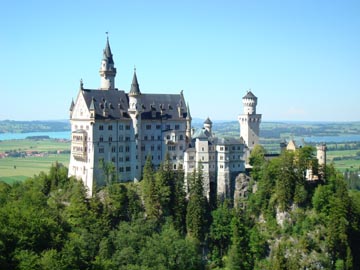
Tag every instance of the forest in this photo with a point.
(285, 222)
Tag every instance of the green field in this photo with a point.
(19, 168)
(35, 145)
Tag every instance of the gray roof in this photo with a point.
(162, 106)
(249, 94)
(72, 105)
(201, 133)
(188, 115)
(227, 141)
(116, 104)
(107, 53)
(208, 121)
(135, 90)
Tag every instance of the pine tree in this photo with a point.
(240, 257)
(149, 190)
(197, 216)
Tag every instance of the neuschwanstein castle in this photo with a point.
(112, 125)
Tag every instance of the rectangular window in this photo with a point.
(143, 148)
(167, 126)
(127, 158)
(158, 126)
(152, 137)
(110, 127)
(121, 159)
(101, 127)
(113, 149)
(121, 138)
(121, 148)
(127, 148)
(121, 127)
(121, 169)
(152, 148)
(101, 150)
(127, 127)
(177, 127)
(148, 127)
(128, 169)
(145, 138)
(127, 138)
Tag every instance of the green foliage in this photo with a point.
(220, 232)
(49, 222)
(240, 257)
(197, 216)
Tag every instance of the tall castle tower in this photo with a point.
(321, 157)
(135, 114)
(250, 121)
(107, 69)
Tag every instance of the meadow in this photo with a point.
(19, 168)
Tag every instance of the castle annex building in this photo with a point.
(112, 126)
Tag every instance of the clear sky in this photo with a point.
(300, 57)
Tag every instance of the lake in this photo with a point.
(19, 136)
(66, 135)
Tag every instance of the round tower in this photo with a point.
(321, 154)
(208, 125)
(250, 121)
(249, 102)
(107, 69)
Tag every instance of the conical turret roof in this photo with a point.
(188, 115)
(249, 94)
(208, 121)
(107, 53)
(135, 90)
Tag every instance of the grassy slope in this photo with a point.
(29, 166)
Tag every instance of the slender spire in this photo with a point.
(107, 69)
(72, 105)
(188, 115)
(135, 90)
(92, 105)
(107, 51)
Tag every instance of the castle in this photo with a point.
(111, 126)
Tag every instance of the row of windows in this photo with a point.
(232, 148)
(78, 149)
(110, 139)
(167, 127)
(113, 149)
(127, 127)
(78, 138)
(81, 127)
(110, 127)
(173, 147)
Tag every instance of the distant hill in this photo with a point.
(10, 126)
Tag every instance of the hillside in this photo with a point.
(285, 222)
(10, 126)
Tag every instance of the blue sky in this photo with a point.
(301, 58)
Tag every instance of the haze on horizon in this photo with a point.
(300, 58)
